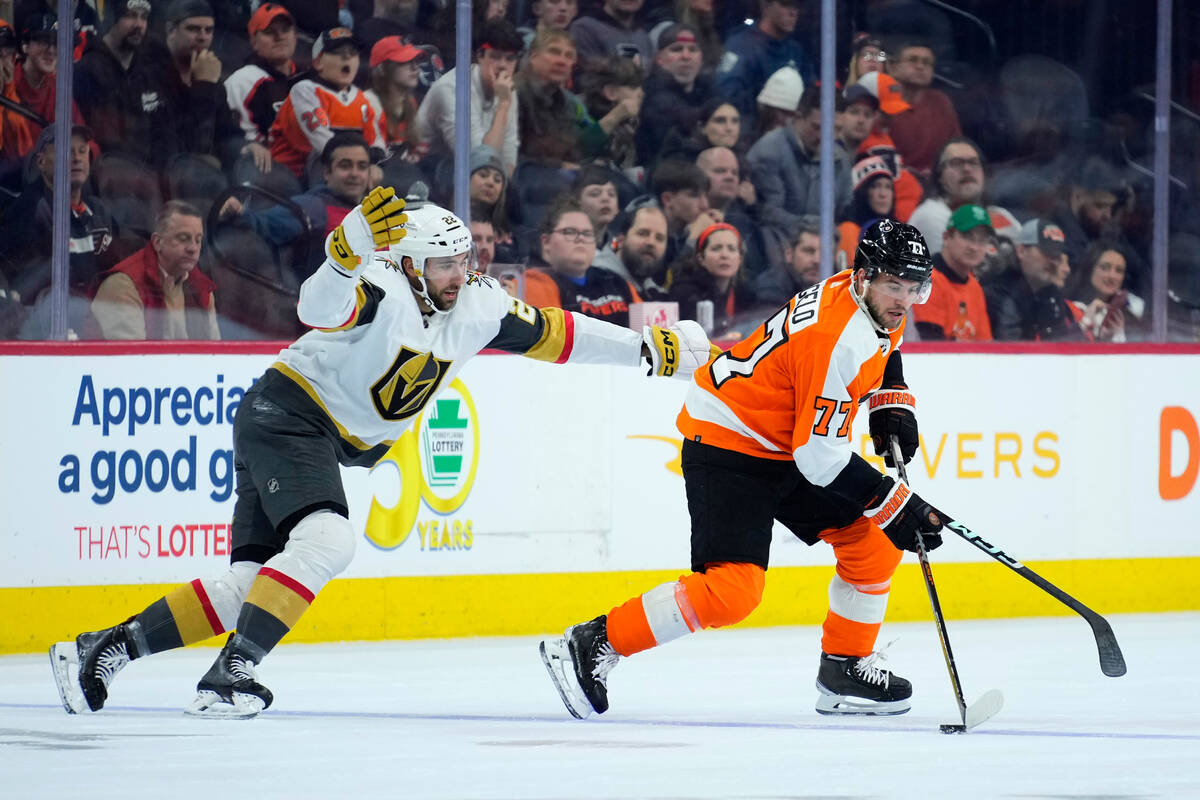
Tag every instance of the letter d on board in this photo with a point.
(1175, 419)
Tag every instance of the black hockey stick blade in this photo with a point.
(1112, 662)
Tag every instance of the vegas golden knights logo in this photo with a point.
(407, 386)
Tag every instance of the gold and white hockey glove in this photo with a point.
(677, 351)
(375, 223)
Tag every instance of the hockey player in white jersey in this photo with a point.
(395, 311)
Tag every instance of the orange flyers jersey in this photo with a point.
(311, 114)
(792, 389)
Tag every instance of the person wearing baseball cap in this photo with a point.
(1027, 302)
(26, 233)
(887, 91)
(675, 90)
(957, 307)
(857, 120)
(34, 76)
(754, 52)
(329, 100)
(258, 88)
(16, 138)
(395, 76)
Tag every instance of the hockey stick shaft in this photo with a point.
(938, 618)
(1112, 662)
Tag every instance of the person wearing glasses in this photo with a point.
(931, 119)
(959, 178)
(566, 278)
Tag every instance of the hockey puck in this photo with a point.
(952, 728)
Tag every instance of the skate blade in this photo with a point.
(984, 708)
(562, 672)
(210, 705)
(63, 656)
(845, 705)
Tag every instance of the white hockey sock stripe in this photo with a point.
(853, 603)
(667, 621)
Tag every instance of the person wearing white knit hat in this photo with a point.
(779, 99)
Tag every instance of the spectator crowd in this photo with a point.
(622, 152)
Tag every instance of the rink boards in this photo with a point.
(537, 495)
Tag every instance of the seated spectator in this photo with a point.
(395, 75)
(35, 73)
(759, 225)
(568, 280)
(785, 166)
(612, 92)
(956, 308)
(107, 82)
(1026, 303)
(556, 129)
(549, 14)
(718, 124)
(316, 107)
(958, 178)
(443, 24)
(800, 270)
(681, 190)
(483, 236)
(909, 193)
(596, 194)
(493, 98)
(1109, 313)
(27, 233)
(698, 14)
(857, 120)
(713, 272)
(778, 101)
(675, 90)
(16, 138)
(922, 130)
(345, 170)
(257, 90)
(1095, 193)
(639, 252)
(874, 198)
(191, 114)
(868, 56)
(753, 53)
(157, 293)
(613, 29)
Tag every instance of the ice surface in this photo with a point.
(719, 715)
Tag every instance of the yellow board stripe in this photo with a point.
(303, 383)
(277, 600)
(189, 615)
(523, 605)
(554, 336)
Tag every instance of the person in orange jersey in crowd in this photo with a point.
(766, 431)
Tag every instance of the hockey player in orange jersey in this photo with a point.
(766, 437)
(319, 106)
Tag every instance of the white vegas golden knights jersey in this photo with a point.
(374, 361)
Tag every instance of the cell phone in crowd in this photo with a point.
(1118, 301)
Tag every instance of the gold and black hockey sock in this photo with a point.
(273, 606)
(183, 617)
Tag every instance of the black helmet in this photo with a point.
(898, 249)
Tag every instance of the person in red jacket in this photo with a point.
(157, 293)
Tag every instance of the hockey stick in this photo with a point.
(992, 701)
(1112, 662)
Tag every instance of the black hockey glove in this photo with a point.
(892, 414)
(904, 516)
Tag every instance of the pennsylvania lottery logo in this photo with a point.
(434, 462)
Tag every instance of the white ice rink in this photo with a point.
(720, 715)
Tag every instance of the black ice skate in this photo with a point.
(854, 685)
(230, 689)
(95, 657)
(579, 664)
